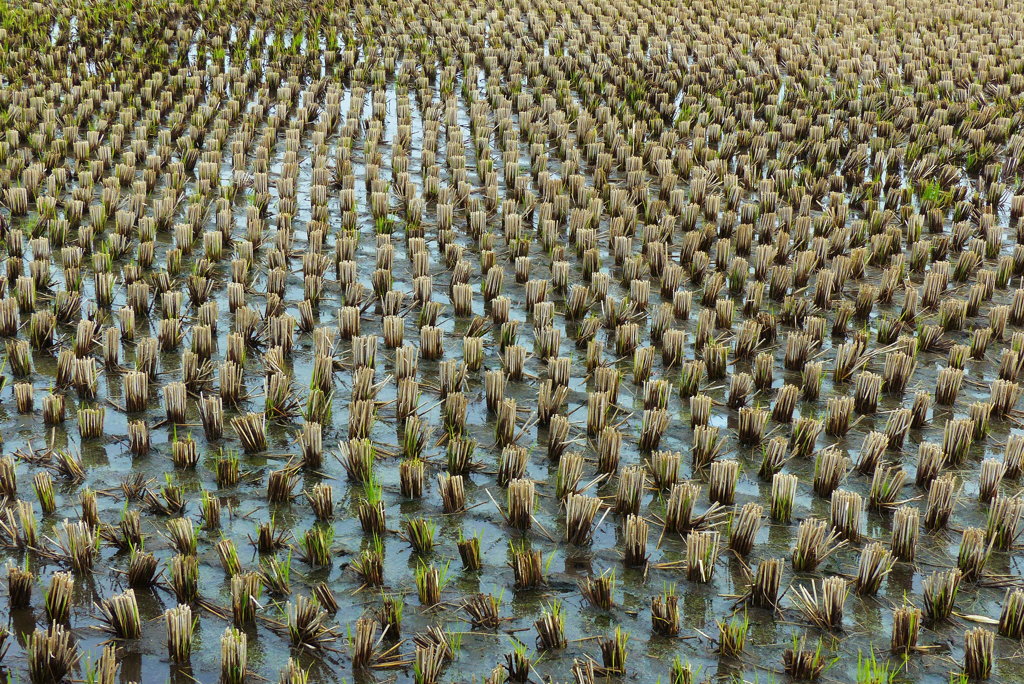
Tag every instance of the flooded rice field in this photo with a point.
(517, 341)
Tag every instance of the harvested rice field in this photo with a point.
(512, 341)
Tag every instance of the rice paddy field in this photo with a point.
(511, 341)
